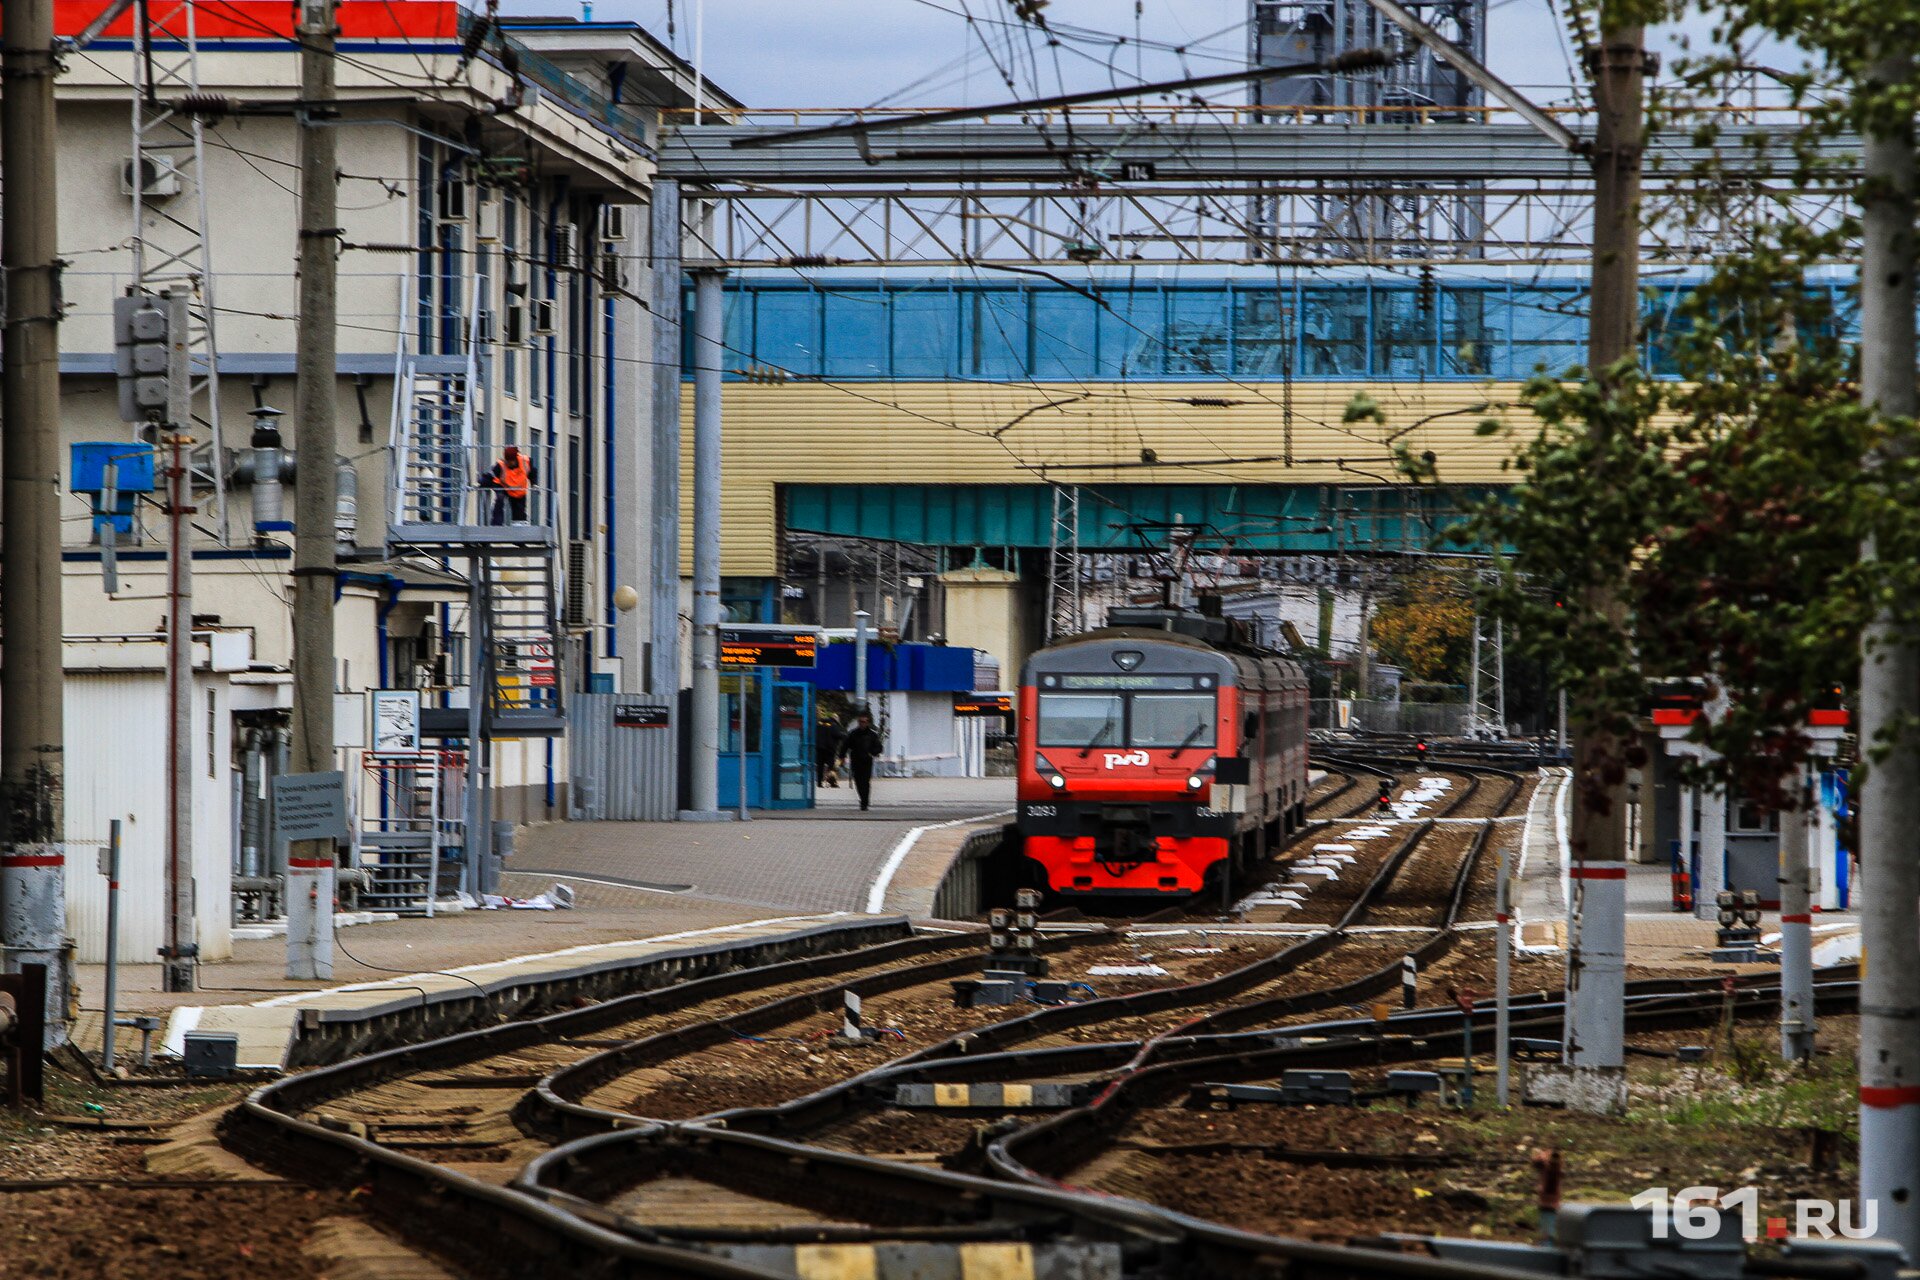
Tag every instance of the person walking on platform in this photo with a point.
(510, 479)
(826, 753)
(859, 750)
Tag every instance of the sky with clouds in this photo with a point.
(839, 53)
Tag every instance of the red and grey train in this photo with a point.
(1129, 733)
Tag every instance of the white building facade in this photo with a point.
(493, 182)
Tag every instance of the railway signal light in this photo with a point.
(1420, 749)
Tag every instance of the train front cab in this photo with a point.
(1119, 737)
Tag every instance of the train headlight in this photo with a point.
(1055, 781)
(1195, 782)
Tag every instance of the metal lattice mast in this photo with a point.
(170, 242)
(1488, 680)
(1064, 614)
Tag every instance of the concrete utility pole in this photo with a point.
(180, 957)
(1889, 697)
(663, 243)
(1596, 958)
(860, 633)
(33, 903)
(708, 351)
(315, 567)
(1796, 929)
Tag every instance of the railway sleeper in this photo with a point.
(924, 1260)
(1044, 1096)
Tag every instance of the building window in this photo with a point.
(1745, 818)
(513, 332)
(574, 484)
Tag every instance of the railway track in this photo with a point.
(737, 1193)
(1270, 988)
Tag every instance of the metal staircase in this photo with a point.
(431, 455)
(443, 506)
(401, 838)
(522, 645)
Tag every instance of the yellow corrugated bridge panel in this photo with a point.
(988, 433)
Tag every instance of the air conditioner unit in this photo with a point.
(612, 278)
(579, 556)
(563, 246)
(159, 178)
(613, 223)
(543, 318)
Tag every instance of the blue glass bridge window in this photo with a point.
(856, 335)
(1385, 327)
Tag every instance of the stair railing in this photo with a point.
(398, 422)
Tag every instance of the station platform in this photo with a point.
(640, 890)
(826, 859)
(1658, 937)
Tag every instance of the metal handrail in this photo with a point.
(396, 423)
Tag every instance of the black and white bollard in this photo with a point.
(1409, 982)
(852, 1026)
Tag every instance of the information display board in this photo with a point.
(983, 704)
(761, 645)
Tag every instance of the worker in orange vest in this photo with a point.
(510, 479)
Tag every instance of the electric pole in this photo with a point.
(310, 875)
(33, 905)
(1596, 954)
(709, 347)
(180, 957)
(1796, 925)
(1889, 698)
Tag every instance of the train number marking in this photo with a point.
(1114, 759)
(1042, 811)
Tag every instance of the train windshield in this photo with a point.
(1081, 719)
(1089, 720)
(1171, 720)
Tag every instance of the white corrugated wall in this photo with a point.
(115, 724)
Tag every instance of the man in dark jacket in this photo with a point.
(826, 752)
(861, 746)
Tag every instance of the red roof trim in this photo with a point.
(265, 19)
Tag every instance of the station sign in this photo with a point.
(540, 671)
(983, 704)
(639, 715)
(396, 722)
(744, 645)
(310, 806)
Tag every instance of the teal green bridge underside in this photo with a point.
(1245, 519)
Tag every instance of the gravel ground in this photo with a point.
(135, 1233)
(1272, 1169)
(803, 1056)
(31, 1147)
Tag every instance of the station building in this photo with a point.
(493, 180)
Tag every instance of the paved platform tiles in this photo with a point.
(633, 883)
(265, 1027)
(826, 859)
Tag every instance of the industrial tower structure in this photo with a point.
(1418, 88)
